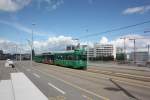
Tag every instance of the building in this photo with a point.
(21, 56)
(70, 47)
(101, 51)
(1, 51)
(139, 57)
(83, 47)
(1, 54)
(91, 52)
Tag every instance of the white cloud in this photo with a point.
(54, 44)
(13, 5)
(141, 42)
(104, 40)
(22, 28)
(59, 43)
(50, 4)
(51, 44)
(139, 10)
(12, 47)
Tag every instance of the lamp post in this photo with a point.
(32, 46)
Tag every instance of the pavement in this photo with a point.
(15, 85)
(59, 83)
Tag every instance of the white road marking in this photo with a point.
(61, 91)
(73, 85)
(36, 75)
(125, 82)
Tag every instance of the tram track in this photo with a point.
(120, 74)
(98, 85)
(92, 76)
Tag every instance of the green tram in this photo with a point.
(38, 58)
(71, 59)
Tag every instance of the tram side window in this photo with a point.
(58, 57)
(83, 57)
(70, 57)
(77, 57)
(65, 57)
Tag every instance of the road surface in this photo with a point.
(59, 83)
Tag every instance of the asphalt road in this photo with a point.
(59, 83)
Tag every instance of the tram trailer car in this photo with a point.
(48, 59)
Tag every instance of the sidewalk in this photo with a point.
(19, 87)
(15, 85)
(6, 92)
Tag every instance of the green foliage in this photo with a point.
(120, 56)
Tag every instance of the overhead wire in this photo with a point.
(115, 29)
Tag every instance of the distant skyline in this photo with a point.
(64, 20)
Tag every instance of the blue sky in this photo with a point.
(74, 18)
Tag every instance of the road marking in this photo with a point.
(61, 91)
(36, 75)
(28, 70)
(73, 85)
(87, 98)
(125, 82)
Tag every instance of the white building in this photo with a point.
(91, 52)
(101, 50)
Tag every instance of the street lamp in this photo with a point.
(32, 43)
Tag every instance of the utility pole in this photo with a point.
(148, 46)
(148, 52)
(16, 52)
(32, 43)
(134, 50)
(87, 51)
(20, 54)
(124, 46)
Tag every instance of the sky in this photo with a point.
(59, 22)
